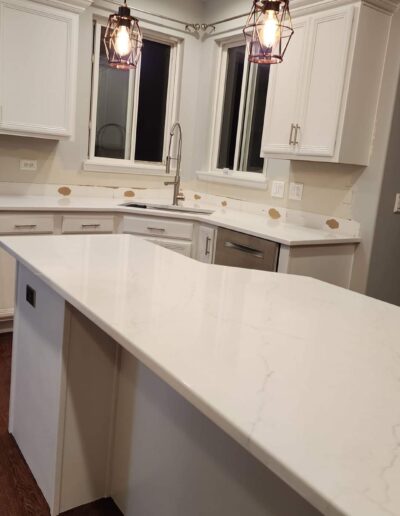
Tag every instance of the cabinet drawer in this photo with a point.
(26, 224)
(88, 224)
(158, 227)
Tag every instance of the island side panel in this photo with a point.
(92, 371)
(37, 379)
(169, 459)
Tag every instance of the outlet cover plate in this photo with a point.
(278, 189)
(296, 191)
(28, 164)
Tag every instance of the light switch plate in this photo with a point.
(278, 189)
(28, 164)
(296, 191)
(397, 204)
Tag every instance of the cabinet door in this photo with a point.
(282, 111)
(205, 244)
(7, 285)
(37, 69)
(323, 92)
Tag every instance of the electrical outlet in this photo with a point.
(296, 191)
(397, 204)
(28, 164)
(278, 189)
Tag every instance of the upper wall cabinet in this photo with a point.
(322, 100)
(38, 65)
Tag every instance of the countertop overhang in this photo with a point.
(303, 374)
(253, 224)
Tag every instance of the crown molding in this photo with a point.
(305, 6)
(74, 6)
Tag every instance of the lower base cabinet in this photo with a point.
(92, 421)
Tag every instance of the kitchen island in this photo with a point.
(179, 388)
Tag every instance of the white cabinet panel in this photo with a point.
(18, 224)
(87, 224)
(206, 244)
(38, 62)
(37, 379)
(7, 285)
(179, 246)
(158, 227)
(324, 88)
(282, 111)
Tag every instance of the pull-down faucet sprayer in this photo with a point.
(178, 196)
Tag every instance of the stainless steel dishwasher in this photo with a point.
(240, 250)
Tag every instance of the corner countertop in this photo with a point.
(250, 223)
(304, 375)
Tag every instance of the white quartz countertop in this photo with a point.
(252, 224)
(304, 375)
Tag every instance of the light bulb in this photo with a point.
(269, 33)
(123, 44)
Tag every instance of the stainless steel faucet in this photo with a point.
(178, 196)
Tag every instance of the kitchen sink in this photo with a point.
(167, 207)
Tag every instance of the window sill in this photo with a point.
(126, 167)
(246, 179)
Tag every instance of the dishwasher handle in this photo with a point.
(244, 249)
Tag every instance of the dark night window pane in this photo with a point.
(230, 117)
(254, 162)
(111, 125)
(153, 91)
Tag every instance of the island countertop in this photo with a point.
(302, 374)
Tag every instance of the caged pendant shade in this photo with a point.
(268, 31)
(123, 39)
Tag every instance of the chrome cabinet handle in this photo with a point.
(93, 226)
(25, 226)
(296, 141)
(244, 249)
(292, 128)
(161, 230)
(208, 242)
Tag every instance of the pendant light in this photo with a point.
(268, 31)
(123, 39)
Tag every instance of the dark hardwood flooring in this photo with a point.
(19, 493)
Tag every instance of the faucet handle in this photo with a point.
(180, 196)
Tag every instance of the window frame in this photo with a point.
(102, 164)
(214, 174)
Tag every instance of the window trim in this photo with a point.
(101, 164)
(243, 178)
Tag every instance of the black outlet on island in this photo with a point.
(31, 295)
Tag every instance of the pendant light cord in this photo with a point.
(189, 26)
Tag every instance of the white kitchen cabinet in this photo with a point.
(38, 67)
(179, 246)
(7, 287)
(16, 224)
(323, 98)
(158, 227)
(205, 247)
(87, 224)
(283, 99)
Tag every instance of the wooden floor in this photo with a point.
(19, 493)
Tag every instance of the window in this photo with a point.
(240, 112)
(133, 109)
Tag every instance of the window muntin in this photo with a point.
(242, 111)
(132, 109)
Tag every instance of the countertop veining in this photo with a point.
(302, 374)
